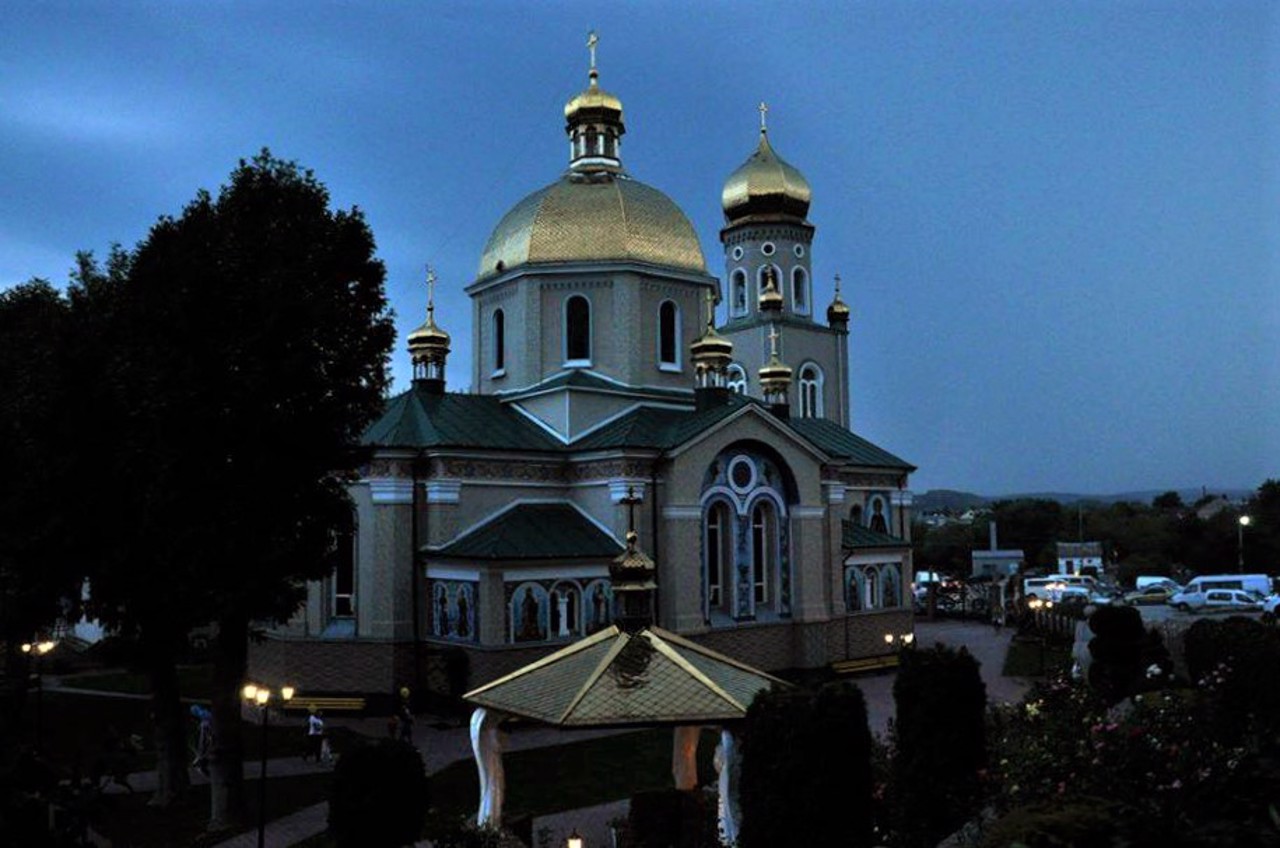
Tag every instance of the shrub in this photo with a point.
(672, 818)
(1234, 662)
(940, 741)
(379, 796)
(1117, 651)
(786, 797)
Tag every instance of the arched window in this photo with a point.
(577, 331)
(717, 540)
(761, 276)
(810, 391)
(668, 335)
(871, 584)
(736, 379)
(738, 294)
(499, 342)
(800, 291)
(853, 590)
(566, 611)
(529, 613)
(762, 536)
(889, 585)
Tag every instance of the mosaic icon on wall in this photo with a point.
(453, 610)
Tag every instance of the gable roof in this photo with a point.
(854, 536)
(533, 531)
(616, 678)
(421, 419)
(844, 444)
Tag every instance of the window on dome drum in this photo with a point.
(810, 391)
(737, 379)
(761, 275)
(763, 533)
(577, 330)
(738, 301)
(668, 332)
(799, 291)
(499, 341)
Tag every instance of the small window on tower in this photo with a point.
(668, 332)
(738, 304)
(577, 331)
(499, 342)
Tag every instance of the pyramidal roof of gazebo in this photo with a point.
(613, 678)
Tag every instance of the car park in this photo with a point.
(1270, 605)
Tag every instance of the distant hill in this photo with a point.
(939, 500)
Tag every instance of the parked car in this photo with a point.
(1224, 600)
(1159, 593)
(1270, 605)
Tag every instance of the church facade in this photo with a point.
(605, 396)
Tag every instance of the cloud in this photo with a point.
(81, 117)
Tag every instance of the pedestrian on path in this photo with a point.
(204, 737)
(315, 735)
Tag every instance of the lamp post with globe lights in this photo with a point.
(1240, 525)
(261, 697)
(38, 650)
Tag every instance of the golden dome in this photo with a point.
(711, 349)
(593, 217)
(594, 98)
(765, 185)
(428, 338)
(838, 311)
(775, 376)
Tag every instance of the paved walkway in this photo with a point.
(443, 743)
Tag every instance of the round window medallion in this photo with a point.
(742, 474)
(767, 248)
(737, 252)
(799, 250)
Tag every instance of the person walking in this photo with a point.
(315, 735)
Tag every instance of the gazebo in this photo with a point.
(631, 674)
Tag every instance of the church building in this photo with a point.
(605, 395)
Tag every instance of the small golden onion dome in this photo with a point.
(775, 376)
(838, 311)
(594, 100)
(770, 297)
(428, 339)
(711, 349)
(765, 185)
(597, 217)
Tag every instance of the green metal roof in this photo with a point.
(421, 419)
(649, 427)
(855, 536)
(533, 531)
(614, 678)
(579, 378)
(843, 444)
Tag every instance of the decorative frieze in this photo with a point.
(443, 491)
(620, 489)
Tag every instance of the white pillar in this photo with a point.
(562, 601)
(684, 756)
(486, 743)
(729, 768)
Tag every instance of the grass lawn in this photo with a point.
(194, 681)
(127, 820)
(1024, 658)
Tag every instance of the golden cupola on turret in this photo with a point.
(765, 187)
(838, 311)
(711, 353)
(775, 375)
(593, 121)
(429, 345)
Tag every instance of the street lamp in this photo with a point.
(260, 696)
(1243, 523)
(574, 840)
(38, 650)
(902, 640)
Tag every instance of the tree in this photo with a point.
(1168, 501)
(39, 572)
(940, 743)
(786, 798)
(250, 343)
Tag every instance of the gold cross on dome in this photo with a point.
(764, 110)
(431, 289)
(592, 41)
(711, 308)
(837, 284)
(774, 335)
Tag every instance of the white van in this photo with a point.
(1193, 595)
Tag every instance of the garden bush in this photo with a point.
(1117, 651)
(1236, 661)
(379, 796)
(672, 818)
(940, 743)
(787, 795)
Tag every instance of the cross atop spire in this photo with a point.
(837, 284)
(431, 291)
(774, 335)
(764, 110)
(592, 41)
(711, 308)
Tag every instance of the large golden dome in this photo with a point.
(765, 185)
(593, 217)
